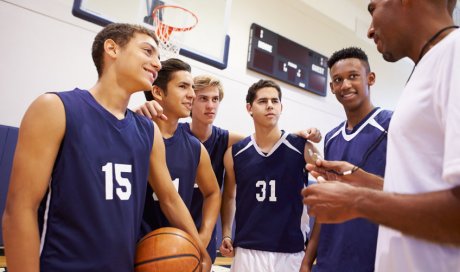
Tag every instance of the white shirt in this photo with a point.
(424, 155)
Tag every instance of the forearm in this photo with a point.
(311, 250)
(21, 239)
(433, 216)
(179, 216)
(211, 208)
(227, 215)
(368, 180)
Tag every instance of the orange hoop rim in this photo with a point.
(173, 28)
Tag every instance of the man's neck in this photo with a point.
(266, 138)
(112, 98)
(167, 127)
(355, 117)
(201, 130)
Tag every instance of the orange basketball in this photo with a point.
(167, 249)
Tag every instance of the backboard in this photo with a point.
(207, 42)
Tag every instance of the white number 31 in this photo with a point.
(262, 184)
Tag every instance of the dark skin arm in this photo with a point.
(432, 216)
(312, 247)
(334, 170)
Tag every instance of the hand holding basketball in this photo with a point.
(167, 249)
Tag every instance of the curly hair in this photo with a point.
(349, 53)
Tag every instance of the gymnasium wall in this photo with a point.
(45, 48)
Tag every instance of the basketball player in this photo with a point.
(209, 93)
(186, 157)
(265, 174)
(419, 209)
(360, 140)
(81, 167)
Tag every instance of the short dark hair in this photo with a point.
(121, 34)
(263, 83)
(168, 67)
(349, 53)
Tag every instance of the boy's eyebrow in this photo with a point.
(187, 83)
(152, 46)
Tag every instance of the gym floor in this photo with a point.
(2, 262)
(222, 264)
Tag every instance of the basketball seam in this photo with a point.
(157, 234)
(169, 257)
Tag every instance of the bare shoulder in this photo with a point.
(47, 103)
(234, 138)
(45, 115)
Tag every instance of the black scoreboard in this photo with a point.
(285, 60)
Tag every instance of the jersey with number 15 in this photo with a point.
(90, 217)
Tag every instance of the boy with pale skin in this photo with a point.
(264, 176)
(69, 144)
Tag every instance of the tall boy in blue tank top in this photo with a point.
(82, 163)
(362, 141)
(264, 177)
(187, 159)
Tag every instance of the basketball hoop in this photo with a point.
(170, 23)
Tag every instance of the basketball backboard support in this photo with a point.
(207, 42)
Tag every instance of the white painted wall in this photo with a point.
(44, 48)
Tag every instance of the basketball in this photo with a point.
(167, 249)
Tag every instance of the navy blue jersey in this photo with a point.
(216, 145)
(90, 217)
(351, 246)
(270, 215)
(183, 152)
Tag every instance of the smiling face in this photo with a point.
(137, 62)
(350, 84)
(266, 107)
(206, 105)
(177, 102)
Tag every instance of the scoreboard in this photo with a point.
(275, 56)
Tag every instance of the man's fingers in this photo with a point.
(321, 179)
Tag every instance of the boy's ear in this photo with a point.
(157, 93)
(110, 47)
(371, 78)
(249, 108)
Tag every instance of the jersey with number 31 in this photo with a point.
(90, 218)
(270, 215)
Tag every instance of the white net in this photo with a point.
(170, 23)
